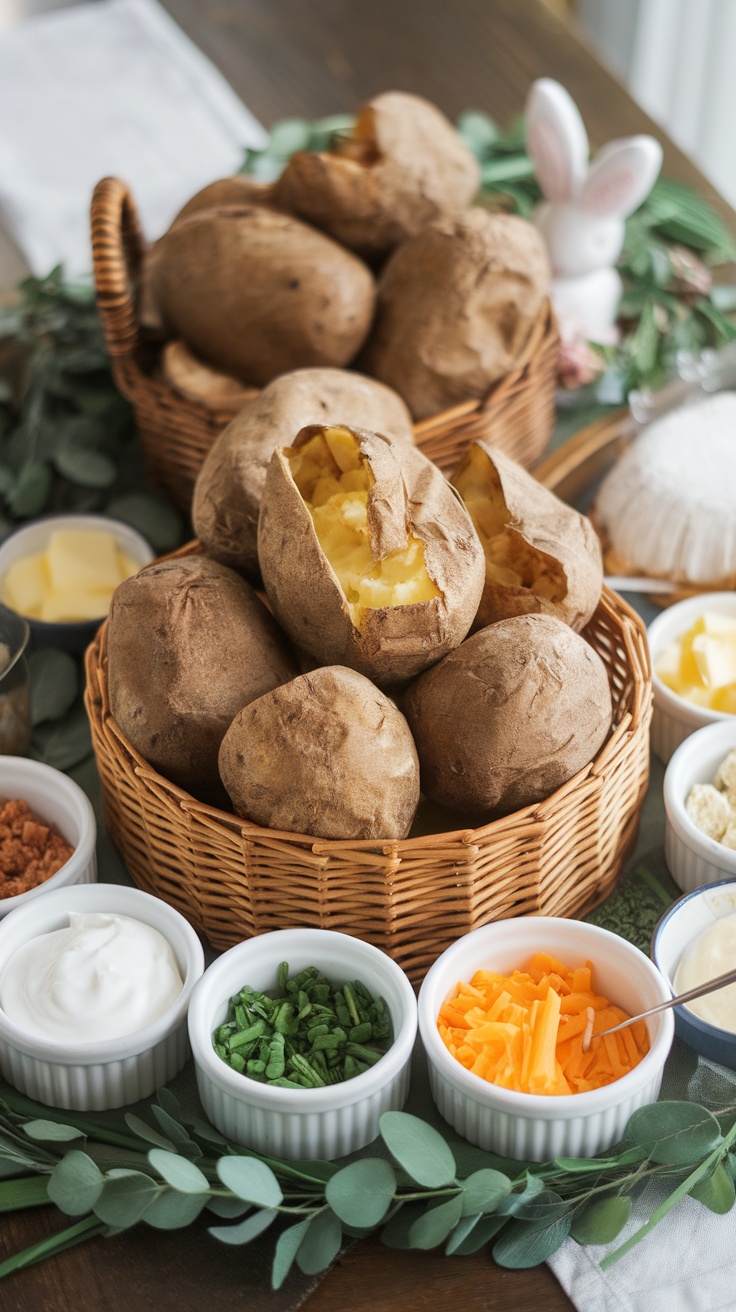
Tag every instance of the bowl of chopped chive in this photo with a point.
(301, 1039)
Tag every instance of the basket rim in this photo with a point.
(469, 837)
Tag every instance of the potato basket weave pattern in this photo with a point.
(413, 897)
(176, 433)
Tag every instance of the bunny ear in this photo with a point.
(556, 140)
(621, 177)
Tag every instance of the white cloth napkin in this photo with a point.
(112, 87)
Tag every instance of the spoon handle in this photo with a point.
(710, 986)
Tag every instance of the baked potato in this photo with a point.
(402, 166)
(227, 493)
(509, 716)
(256, 293)
(199, 382)
(456, 305)
(542, 556)
(189, 643)
(328, 755)
(367, 554)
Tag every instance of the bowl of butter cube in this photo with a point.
(59, 573)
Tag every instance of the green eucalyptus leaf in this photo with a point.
(321, 1243)
(361, 1193)
(601, 1220)
(170, 1125)
(31, 491)
(228, 1208)
(75, 1184)
(287, 1247)
(85, 467)
(478, 131)
(516, 1202)
(63, 743)
(676, 1133)
(288, 136)
(483, 1191)
(464, 1242)
(544, 1206)
(51, 1131)
(253, 1226)
(147, 1132)
(716, 1191)
(154, 518)
(436, 1223)
(250, 1180)
(397, 1231)
(54, 684)
(207, 1132)
(177, 1171)
(525, 1244)
(419, 1149)
(124, 1198)
(169, 1103)
(171, 1210)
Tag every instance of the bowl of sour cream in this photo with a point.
(95, 982)
(696, 941)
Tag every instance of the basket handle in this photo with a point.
(118, 248)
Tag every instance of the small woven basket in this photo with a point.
(413, 897)
(176, 433)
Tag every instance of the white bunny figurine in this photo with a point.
(582, 219)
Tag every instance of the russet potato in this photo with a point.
(256, 293)
(227, 494)
(509, 716)
(368, 557)
(189, 643)
(328, 755)
(402, 166)
(542, 556)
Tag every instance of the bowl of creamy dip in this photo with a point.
(95, 982)
(696, 941)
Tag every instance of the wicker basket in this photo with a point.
(412, 898)
(176, 433)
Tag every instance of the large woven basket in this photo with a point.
(176, 433)
(412, 898)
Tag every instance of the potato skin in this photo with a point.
(406, 166)
(257, 293)
(456, 305)
(509, 716)
(409, 494)
(327, 755)
(189, 643)
(227, 494)
(540, 520)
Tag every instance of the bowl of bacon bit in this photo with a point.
(47, 831)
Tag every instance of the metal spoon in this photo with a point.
(710, 986)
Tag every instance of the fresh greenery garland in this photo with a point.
(168, 1169)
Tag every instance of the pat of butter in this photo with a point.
(700, 665)
(715, 659)
(72, 580)
(80, 559)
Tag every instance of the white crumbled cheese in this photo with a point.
(726, 778)
(668, 506)
(709, 810)
(728, 838)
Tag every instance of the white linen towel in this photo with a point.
(110, 87)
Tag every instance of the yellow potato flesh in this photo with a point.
(334, 482)
(73, 579)
(509, 561)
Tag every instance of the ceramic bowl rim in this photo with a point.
(703, 1026)
(103, 1051)
(543, 1107)
(207, 999)
(75, 797)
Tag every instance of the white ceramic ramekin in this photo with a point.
(97, 1075)
(678, 929)
(673, 718)
(304, 1123)
(55, 798)
(531, 1127)
(693, 858)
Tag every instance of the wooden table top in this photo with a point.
(311, 58)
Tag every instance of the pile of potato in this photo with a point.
(370, 254)
(328, 710)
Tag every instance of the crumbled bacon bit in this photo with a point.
(30, 850)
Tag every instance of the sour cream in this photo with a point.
(103, 977)
(712, 954)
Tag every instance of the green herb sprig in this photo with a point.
(305, 1035)
(169, 1169)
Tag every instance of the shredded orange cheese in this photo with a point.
(526, 1031)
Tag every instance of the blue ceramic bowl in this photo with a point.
(685, 921)
(73, 635)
